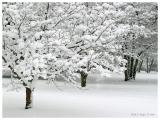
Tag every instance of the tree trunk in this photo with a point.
(28, 98)
(140, 66)
(83, 78)
(150, 66)
(131, 68)
(126, 57)
(135, 69)
(126, 75)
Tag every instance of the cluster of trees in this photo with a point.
(71, 40)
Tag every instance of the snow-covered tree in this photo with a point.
(137, 32)
(92, 39)
(20, 48)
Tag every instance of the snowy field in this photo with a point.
(103, 97)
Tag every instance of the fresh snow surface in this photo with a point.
(103, 97)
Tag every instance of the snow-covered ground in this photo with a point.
(104, 97)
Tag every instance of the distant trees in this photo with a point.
(139, 34)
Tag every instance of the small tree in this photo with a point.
(20, 49)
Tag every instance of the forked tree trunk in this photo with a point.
(28, 98)
(83, 78)
(131, 67)
(135, 69)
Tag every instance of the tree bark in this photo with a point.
(126, 75)
(28, 98)
(150, 66)
(126, 57)
(135, 69)
(83, 78)
(131, 68)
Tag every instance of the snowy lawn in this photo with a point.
(103, 97)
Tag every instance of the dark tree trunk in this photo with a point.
(150, 66)
(126, 57)
(135, 69)
(131, 68)
(126, 75)
(83, 78)
(28, 98)
(140, 66)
